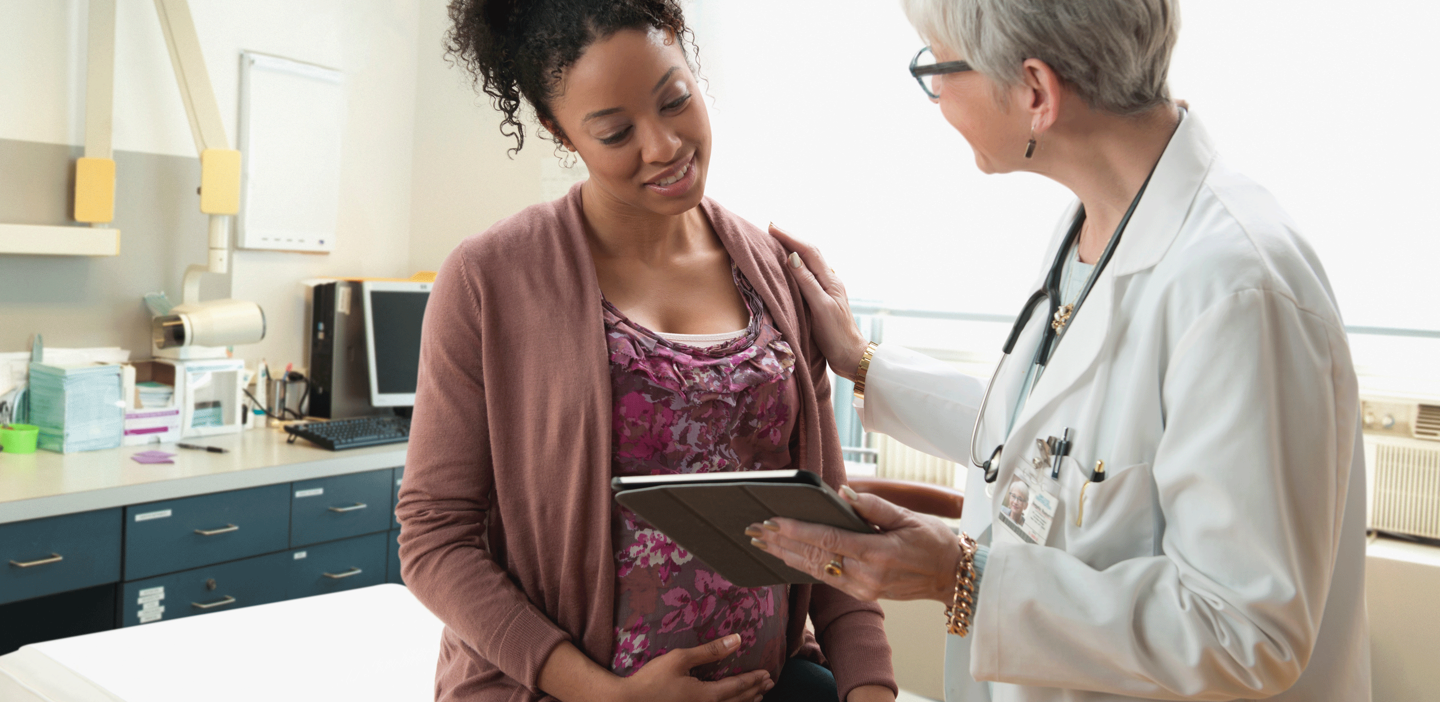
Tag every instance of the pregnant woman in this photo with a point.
(632, 327)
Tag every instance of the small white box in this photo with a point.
(146, 423)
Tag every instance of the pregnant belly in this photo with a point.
(667, 600)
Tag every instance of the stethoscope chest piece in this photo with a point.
(992, 466)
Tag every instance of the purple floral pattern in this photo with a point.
(682, 409)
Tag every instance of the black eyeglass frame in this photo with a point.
(934, 69)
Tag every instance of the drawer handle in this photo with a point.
(346, 574)
(54, 558)
(222, 530)
(227, 600)
(351, 508)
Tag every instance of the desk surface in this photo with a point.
(45, 484)
(373, 644)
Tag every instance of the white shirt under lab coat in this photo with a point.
(1223, 556)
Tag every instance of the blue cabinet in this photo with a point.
(392, 567)
(175, 535)
(395, 521)
(213, 588)
(336, 566)
(78, 573)
(340, 507)
(69, 552)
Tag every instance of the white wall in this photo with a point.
(42, 64)
(820, 128)
(463, 180)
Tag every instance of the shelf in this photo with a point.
(42, 240)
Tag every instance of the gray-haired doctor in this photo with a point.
(1165, 493)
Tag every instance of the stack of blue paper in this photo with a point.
(77, 407)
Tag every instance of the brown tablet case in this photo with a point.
(709, 521)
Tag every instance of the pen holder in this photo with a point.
(19, 438)
(278, 390)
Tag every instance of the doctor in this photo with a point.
(1165, 485)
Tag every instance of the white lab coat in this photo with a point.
(1223, 557)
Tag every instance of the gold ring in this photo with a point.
(835, 568)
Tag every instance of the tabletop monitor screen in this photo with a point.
(394, 314)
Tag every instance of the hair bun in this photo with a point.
(498, 14)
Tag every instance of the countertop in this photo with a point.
(46, 484)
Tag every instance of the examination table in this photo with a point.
(372, 644)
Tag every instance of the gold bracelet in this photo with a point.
(864, 368)
(962, 603)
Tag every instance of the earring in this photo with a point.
(569, 160)
(1030, 147)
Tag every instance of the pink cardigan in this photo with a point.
(505, 507)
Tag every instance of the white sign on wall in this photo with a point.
(292, 118)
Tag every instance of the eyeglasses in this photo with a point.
(926, 71)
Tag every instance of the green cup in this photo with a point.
(19, 438)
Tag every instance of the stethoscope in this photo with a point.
(1060, 318)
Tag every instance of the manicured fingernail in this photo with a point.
(732, 641)
(795, 261)
(848, 493)
(760, 544)
(754, 532)
(772, 526)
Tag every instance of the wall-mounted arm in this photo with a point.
(95, 173)
(219, 164)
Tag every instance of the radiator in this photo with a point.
(1405, 486)
(896, 460)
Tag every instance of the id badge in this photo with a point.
(1028, 506)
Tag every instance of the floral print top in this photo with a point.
(684, 409)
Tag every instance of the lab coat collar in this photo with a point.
(1152, 229)
(1162, 211)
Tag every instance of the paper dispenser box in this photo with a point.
(151, 415)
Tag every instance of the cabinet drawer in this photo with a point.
(392, 564)
(340, 507)
(338, 565)
(46, 556)
(175, 535)
(395, 521)
(214, 588)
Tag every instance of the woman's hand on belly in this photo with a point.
(666, 678)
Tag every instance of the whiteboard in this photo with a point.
(292, 121)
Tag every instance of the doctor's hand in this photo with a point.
(912, 558)
(832, 325)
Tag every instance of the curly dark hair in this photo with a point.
(518, 49)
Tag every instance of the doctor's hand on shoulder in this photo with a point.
(831, 324)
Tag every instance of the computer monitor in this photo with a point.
(394, 314)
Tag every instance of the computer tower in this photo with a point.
(339, 381)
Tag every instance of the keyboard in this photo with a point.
(341, 434)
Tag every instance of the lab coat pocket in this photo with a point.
(1114, 520)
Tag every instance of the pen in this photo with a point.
(1062, 449)
(197, 447)
(1097, 477)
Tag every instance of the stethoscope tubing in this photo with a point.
(1050, 291)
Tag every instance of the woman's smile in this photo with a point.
(675, 181)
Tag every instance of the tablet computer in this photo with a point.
(707, 513)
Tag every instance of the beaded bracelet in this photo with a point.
(962, 603)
